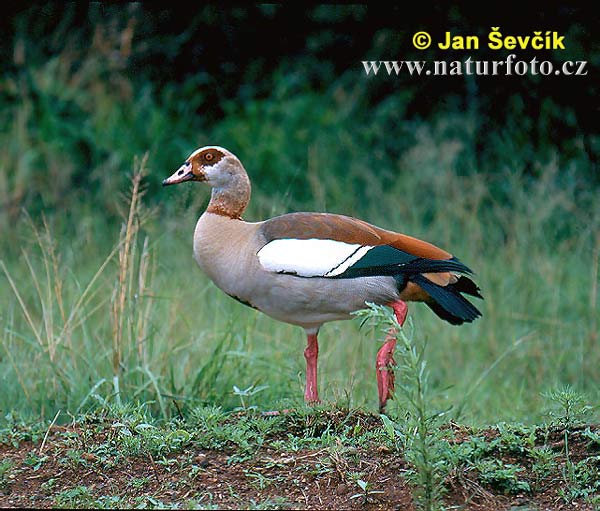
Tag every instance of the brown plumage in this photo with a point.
(310, 268)
(346, 229)
(352, 230)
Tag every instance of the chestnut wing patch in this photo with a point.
(327, 226)
(339, 247)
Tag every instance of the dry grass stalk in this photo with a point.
(123, 316)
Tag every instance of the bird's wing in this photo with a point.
(336, 246)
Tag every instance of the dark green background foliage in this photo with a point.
(93, 85)
(500, 170)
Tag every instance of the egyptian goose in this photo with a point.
(310, 268)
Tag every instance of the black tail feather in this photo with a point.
(466, 285)
(448, 303)
(423, 265)
(444, 314)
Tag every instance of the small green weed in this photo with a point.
(245, 393)
(545, 462)
(582, 480)
(78, 497)
(271, 503)
(49, 485)
(592, 436)
(74, 458)
(14, 430)
(504, 476)
(34, 460)
(515, 438)
(366, 491)
(569, 406)
(148, 502)
(150, 439)
(258, 480)
(6, 467)
(138, 483)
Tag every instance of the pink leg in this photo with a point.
(385, 358)
(311, 353)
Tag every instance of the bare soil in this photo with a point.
(74, 473)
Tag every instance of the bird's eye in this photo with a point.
(209, 156)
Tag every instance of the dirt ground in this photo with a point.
(70, 469)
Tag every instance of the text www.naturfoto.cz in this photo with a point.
(507, 67)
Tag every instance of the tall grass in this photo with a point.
(133, 306)
(131, 301)
(102, 301)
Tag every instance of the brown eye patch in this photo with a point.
(210, 157)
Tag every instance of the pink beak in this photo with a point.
(184, 173)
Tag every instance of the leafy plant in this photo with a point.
(6, 467)
(34, 460)
(367, 491)
(582, 480)
(545, 461)
(77, 497)
(570, 406)
(504, 476)
(420, 433)
(248, 392)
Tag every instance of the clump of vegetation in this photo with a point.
(114, 347)
(419, 431)
(95, 314)
(211, 457)
(6, 467)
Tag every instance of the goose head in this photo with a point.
(213, 165)
(223, 172)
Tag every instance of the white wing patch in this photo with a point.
(310, 258)
(341, 268)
